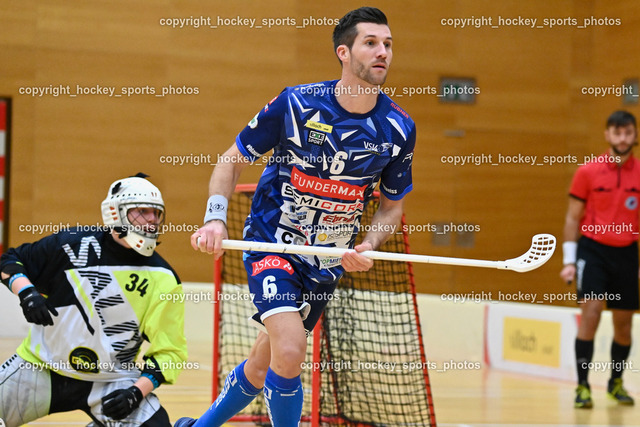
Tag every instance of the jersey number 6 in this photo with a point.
(337, 165)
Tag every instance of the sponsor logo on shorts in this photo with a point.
(271, 262)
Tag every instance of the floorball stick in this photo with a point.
(542, 247)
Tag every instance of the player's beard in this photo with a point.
(366, 74)
(617, 152)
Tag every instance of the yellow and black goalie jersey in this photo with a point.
(109, 299)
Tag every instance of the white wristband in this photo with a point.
(216, 208)
(569, 252)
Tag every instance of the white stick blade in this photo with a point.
(541, 250)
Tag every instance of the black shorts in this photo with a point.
(607, 273)
(68, 394)
(29, 392)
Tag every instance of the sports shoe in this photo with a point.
(616, 392)
(583, 397)
(185, 422)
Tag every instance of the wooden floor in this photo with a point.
(462, 398)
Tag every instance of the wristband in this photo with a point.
(14, 277)
(151, 378)
(30, 285)
(569, 252)
(152, 371)
(216, 209)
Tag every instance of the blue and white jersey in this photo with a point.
(326, 162)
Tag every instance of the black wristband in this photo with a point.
(151, 368)
(11, 270)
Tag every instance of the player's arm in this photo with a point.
(16, 276)
(257, 138)
(163, 327)
(395, 183)
(383, 224)
(571, 234)
(221, 187)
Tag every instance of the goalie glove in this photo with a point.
(35, 308)
(121, 403)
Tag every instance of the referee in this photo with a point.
(600, 251)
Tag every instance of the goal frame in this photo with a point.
(315, 419)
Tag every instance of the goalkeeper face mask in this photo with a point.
(135, 209)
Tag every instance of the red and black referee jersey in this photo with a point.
(611, 194)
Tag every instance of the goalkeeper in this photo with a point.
(332, 143)
(92, 297)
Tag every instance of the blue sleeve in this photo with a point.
(263, 132)
(396, 179)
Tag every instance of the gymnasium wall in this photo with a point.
(66, 150)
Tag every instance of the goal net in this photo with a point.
(365, 365)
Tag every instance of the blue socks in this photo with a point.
(237, 393)
(283, 397)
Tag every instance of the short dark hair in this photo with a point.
(346, 32)
(621, 118)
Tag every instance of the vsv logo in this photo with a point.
(375, 148)
(371, 146)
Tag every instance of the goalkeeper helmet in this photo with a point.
(135, 209)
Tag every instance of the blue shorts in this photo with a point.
(278, 286)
